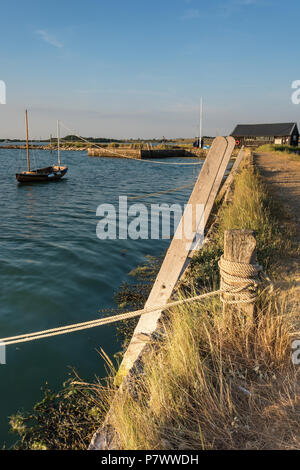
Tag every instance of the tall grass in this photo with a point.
(216, 380)
(252, 207)
(289, 151)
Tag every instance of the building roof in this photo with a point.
(264, 130)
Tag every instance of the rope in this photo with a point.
(99, 322)
(239, 281)
(122, 154)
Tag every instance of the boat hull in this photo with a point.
(51, 173)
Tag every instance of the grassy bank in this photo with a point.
(221, 381)
(212, 381)
(292, 153)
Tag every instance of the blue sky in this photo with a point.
(137, 69)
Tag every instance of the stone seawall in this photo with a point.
(145, 154)
(120, 152)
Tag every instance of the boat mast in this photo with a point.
(201, 119)
(27, 140)
(58, 144)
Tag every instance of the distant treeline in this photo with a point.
(75, 138)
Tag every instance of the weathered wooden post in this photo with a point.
(239, 271)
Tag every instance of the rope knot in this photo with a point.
(239, 281)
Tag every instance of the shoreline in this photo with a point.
(118, 152)
(203, 272)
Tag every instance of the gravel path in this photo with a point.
(282, 177)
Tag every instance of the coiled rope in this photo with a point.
(239, 281)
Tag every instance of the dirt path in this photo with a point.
(282, 177)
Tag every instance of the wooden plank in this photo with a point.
(219, 178)
(213, 195)
(233, 171)
(204, 193)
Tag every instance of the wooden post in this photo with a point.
(240, 246)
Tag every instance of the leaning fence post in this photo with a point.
(239, 271)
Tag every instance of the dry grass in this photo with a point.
(216, 382)
(221, 381)
(251, 207)
(287, 151)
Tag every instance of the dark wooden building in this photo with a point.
(253, 135)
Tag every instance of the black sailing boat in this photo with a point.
(50, 173)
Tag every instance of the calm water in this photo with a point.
(55, 271)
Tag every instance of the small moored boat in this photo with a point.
(50, 173)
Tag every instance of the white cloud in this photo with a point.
(49, 38)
